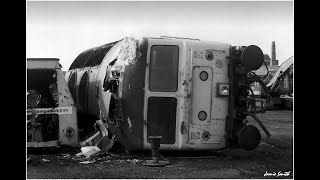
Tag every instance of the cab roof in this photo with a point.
(43, 63)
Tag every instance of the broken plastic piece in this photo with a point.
(100, 139)
(92, 140)
(79, 154)
(45, 160)
(66, 155)
(103, 127)
(89, 150)
(88, 162)
(134, 161)
(103, 143)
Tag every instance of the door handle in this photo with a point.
(97, 91)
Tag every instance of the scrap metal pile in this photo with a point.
(51, 114)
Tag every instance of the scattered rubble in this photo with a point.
(98, 141)
(89, 150)
(66, 156)
(135, 161)
(45, 160)
(88, 162)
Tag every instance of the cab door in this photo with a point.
(162, 86)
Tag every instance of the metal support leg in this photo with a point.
(155, 144)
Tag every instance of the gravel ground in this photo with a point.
(273, 158)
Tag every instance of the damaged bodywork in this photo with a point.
(51, 114)
(193, 94)
(286, 68)
(281, 85)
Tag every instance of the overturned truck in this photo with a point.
(193, 94)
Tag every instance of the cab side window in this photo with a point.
(163, 71)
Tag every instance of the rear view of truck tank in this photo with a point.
(95, 80)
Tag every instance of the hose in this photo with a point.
(259, 122)
(265, 64)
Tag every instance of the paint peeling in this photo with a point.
(219, 63)
(129, 53)
(184, 129)
(198, 54)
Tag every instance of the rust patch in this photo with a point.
(219, 63)
(183, 129)
(197, 54)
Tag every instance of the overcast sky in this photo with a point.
(64, 29)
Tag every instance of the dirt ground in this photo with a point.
(273, 158)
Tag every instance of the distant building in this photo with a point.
(272, 65)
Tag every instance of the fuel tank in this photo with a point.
(96, 80)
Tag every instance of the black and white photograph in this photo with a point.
(159, 89)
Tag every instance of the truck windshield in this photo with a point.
(163, 72)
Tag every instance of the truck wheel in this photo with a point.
(249, 137)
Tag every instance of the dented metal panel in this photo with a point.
(103, 97)
(133, 99)
(67, 122)
(121, 55)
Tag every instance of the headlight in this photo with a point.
(202, 115)
(203, 75)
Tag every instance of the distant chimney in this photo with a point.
(273, 53)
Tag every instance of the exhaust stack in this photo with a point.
(273, 53)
